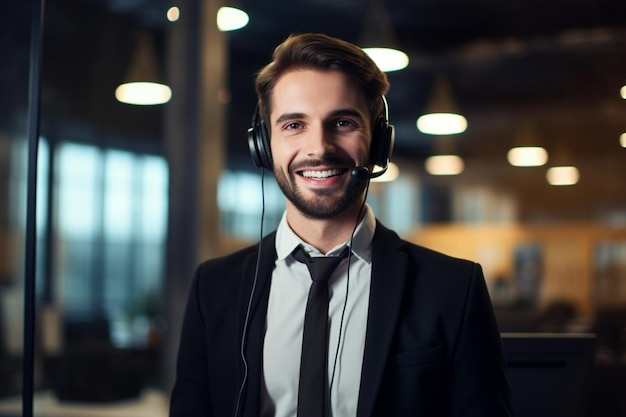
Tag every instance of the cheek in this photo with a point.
(364, 150)
(281, 156)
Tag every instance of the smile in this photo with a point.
(321, 175)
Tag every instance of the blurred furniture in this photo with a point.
(549, 373)
(89, 368)
(151, 403)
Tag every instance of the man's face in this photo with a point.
(320, 130)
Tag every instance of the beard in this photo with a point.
(326, 203)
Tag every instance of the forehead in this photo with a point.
(311, 91)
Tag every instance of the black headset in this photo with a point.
(382, 140)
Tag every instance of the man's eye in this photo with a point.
(344, 123)
(293, 126)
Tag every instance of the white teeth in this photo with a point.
(321, 174)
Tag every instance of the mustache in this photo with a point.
(326, 162)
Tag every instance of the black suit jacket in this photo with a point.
(432, 346)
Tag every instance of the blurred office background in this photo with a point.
(131, 197)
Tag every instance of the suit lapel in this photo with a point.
(256, 323)
(389, 266)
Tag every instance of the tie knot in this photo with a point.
(320, 267)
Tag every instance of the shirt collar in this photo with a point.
(287, 240)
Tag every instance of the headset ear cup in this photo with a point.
(253, 146)
(259, 143)
(388, 142)
(265, 147)
(382, 142)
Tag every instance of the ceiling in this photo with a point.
(546, 69)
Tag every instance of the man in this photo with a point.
(411, 331)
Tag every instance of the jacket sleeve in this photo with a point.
(191, 394)
(479, 382)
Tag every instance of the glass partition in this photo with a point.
(15, 38)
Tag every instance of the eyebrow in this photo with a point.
(289, 116)
(334, 113)
(347, 112)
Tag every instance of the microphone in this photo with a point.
(364, 174)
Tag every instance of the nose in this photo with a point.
(319, 142)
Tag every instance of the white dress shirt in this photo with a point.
(285, 321)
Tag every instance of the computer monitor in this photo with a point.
(548, 372)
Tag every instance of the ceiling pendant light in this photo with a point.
(527, 152)
(388, 59)
(231, 18)
(445, 161)
(143, 86)
(563, 172)
(173, 14)
(563, 175)
(442, 116)
(444, 165)
(379, 39)
(442, 123)
(622, 92)
(622, 140)
(527, 156)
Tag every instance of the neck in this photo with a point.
(324, 234)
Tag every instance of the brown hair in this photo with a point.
(322, 52)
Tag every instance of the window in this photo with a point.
(110, 217)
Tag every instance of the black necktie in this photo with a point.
(314, 361)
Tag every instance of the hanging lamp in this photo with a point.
(379, 40)
(143, 85)
(445, 160)
(526, 151)
(442, 116)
